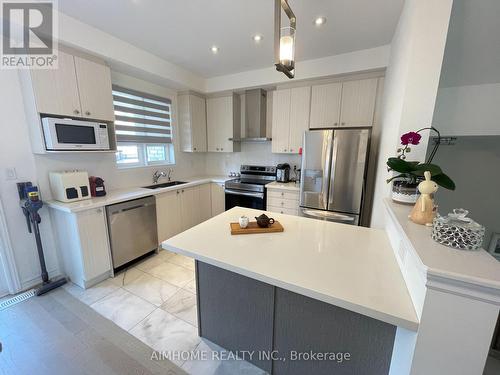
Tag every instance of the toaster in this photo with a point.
(69, 186)
(283, 172)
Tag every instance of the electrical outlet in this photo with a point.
(10, 174)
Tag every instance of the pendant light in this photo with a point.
(284, 39)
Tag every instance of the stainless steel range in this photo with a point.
(249, 190)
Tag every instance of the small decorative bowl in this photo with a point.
(458, 231)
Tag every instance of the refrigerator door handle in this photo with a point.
(329, 216)
(327, 170)
(331, 187)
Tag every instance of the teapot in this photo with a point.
(264, 221)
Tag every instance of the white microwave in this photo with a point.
(71, 135)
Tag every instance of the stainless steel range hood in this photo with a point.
(255, 117)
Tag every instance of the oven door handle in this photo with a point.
(245, 193)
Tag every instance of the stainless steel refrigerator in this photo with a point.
(333, 174)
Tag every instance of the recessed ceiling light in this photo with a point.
(320, 21)
(257, 38)
(214, 49)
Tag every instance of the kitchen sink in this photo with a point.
(165, 184)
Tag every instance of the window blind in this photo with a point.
(141, 117)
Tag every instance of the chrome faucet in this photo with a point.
(157, 175)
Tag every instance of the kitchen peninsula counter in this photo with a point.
(318, 286)
(347, 266)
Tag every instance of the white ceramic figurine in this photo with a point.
(424, 211)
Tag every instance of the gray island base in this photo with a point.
(288, 333)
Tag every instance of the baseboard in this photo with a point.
(96, 280)
(28, 284)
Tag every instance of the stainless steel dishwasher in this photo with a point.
(132, 229)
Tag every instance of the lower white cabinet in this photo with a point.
(181, 209)
(168, 214)
(83, 244)
(218, 198)
(283, 201)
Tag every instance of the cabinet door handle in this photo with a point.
(282, 194)
(76, 111)
(221, 149)
(177, 191)
(343, 124)
(335, 124)
(284, 149)
(194, 149)
(87, 113)
(217, 149)
(291, 150)
(183, 190)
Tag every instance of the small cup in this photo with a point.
(243, 221)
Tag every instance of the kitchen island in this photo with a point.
(318, 287)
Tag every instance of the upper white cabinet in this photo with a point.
(193, 123)
(358, 102)
(281, 121)
(94, 86)
(78, 88)
(223, 123)
(325, 105)
(343, 104)
(300, 98)
(56, 90)
(290, 118)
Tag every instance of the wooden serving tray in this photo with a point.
(253, 228)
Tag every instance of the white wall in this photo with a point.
(346, 63)
(468, 110)
(411, 84)
(16, 153)
(251, 153)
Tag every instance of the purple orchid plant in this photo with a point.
(413, 171)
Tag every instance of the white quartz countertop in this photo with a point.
(476, 267)
(122, 195)
(347, 266)
(283, 186)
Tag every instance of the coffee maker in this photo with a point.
(283, 172)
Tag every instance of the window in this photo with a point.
(143, 129)
(130, 155)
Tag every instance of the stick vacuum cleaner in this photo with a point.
(31, 204)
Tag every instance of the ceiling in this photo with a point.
(472, 54)
(183, 31)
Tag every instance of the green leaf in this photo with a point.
(444, 181)
(433, 168)
(400, 165)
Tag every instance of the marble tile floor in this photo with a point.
(155, 301)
